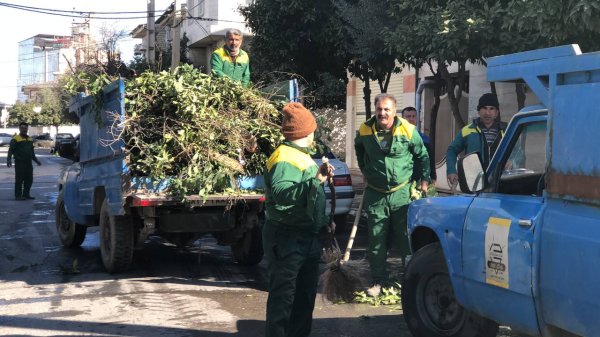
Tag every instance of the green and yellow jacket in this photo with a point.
(385, 171)
(21, 148)
(222, 64)
(471, 139)
(295, 197)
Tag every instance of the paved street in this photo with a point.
(47, 290)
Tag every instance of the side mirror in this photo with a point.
(470, 173)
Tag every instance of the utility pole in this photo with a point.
(176, 41)
(151, 36)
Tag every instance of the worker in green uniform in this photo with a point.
(295, 213)
(387, 149)
(230, 60)
(21, 148)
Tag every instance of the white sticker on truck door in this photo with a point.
(496, 252)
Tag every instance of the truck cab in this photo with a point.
(518, 247)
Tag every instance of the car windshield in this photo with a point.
(64, 136)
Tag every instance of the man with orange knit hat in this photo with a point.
(295, 213)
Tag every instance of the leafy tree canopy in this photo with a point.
(302, 37)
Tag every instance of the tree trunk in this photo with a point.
(451, 83)
(367, 95)
(520, 89)
(383, 84)
(437, 92)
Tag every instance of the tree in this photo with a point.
(110, 37)
(365, 21)
(22, 112)
(303, 38)
(556, 22)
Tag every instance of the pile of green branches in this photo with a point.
(198, 131)
(201, 131)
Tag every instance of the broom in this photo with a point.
(342, 276)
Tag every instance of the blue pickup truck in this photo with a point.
(519, 248)
(100, 190)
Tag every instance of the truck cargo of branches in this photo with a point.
(101, 190)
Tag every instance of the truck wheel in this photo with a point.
(429, 306)
(116, 240)
(71, 234)
(249, 251)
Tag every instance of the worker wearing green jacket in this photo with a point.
(21, 148)
(483, 136)
(295, 213)
(230, 60)
(387, 148)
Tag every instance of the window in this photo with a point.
(525, 165)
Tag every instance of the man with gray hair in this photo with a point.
(387, 150)
(230, 60)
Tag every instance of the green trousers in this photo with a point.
(23, 178)
(386, 214)
(293, 275)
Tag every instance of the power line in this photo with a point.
(85, 14)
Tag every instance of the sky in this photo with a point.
(18, 25)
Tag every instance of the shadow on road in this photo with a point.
(325, 327)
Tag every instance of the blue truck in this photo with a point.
(519, 248)
(99, 190)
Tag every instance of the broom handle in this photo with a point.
(353, 231)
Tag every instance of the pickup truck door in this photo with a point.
(497, 246)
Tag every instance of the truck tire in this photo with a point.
(428, 303)
(249, 250)
(71, 234)
(116, 240)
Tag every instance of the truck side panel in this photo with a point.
(574, 165)
(569, 272)
(102, 159)
(445, 216)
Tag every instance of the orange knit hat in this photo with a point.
(298, 121)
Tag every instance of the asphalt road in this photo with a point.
(48, 290)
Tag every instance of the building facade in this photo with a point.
(42, 58)
(404, 87)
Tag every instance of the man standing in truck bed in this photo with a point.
(230, 60)
(387, 149)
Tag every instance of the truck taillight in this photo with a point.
(342, 180)
(143, 202)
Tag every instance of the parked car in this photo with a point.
(60, 139)
(5, 139)
(342, 181)
(43, 140)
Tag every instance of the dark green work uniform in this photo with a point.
(21, 148)
(386, 160)
(295, 213)
(237, 68)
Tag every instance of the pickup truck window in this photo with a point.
(525, 166)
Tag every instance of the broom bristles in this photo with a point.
(342, 279)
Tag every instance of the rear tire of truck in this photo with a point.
(428, 302)
(116, 240)
(249, 250)
(71, 234)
